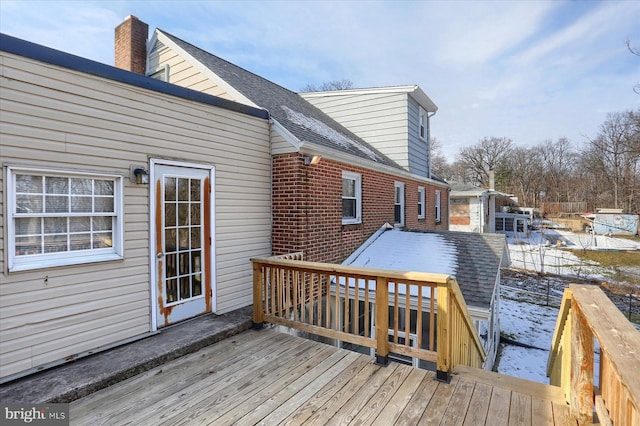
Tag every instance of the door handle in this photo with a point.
(160, 255)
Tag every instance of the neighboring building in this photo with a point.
(474, 209)
(395, 120)
(128, 204)
(331, 188)
(473, 259)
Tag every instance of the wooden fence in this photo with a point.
(585, 313)
(564, 207)
(411, 314)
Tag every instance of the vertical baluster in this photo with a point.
(419, 315)
(407, 314)
(396, 313)
(327, 299)
(346, 317)
(356, 308)
(367, 325)
(432, 318)
(336, 303)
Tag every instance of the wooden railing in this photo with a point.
(586, 312)
(368, 307)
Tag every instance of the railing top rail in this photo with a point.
(401, 276)
(617, 337)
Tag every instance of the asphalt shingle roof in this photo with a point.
(479, 259)
(302, 119)
(474, 259)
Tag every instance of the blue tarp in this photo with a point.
(615, 224)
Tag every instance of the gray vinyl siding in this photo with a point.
(381, 119)
(418, 148)
(65, 120)
(388, 121)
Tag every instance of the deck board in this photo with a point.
(271, 378)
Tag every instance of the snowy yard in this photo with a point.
(523, 316)
(526, 323)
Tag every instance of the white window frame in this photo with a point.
(48, 260)
(357, 178)
(421, 202)
(438, 205)
(422, 124)
(401, 187)
(160, 73)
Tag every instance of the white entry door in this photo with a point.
(183, 242)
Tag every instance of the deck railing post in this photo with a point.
(382, 321)
(443, 337)
(581, 390)
(258, 312)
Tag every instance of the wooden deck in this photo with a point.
(265, 377)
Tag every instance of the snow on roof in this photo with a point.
(325, 131)
(473, 259)
(406, 251)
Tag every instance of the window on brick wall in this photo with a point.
(60, 218)
(421, 202)
(351, 198)
(438, 209)
(399, 203)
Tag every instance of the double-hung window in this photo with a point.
(421, 202)
(438, 209)
(399, 203)
(422, 124)
(60, 218)
(351, 198)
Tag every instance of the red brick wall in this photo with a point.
(307, 208)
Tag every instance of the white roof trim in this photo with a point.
(235, 95)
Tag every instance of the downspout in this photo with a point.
(429, 142)
(481, 208)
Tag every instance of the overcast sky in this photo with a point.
(527, 70)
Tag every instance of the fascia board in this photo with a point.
(235, 94)
(310, 148)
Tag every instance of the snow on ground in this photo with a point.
(545, 251)
(526, 323)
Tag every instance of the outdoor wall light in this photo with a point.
(312, 160)
(139, 175)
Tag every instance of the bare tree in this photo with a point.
(558, 159)
(439, 165)
(618, 146)
(491, 153)
(527, 176)
(343, 84)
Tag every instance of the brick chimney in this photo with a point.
(131, 45)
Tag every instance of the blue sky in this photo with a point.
(527, 70)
